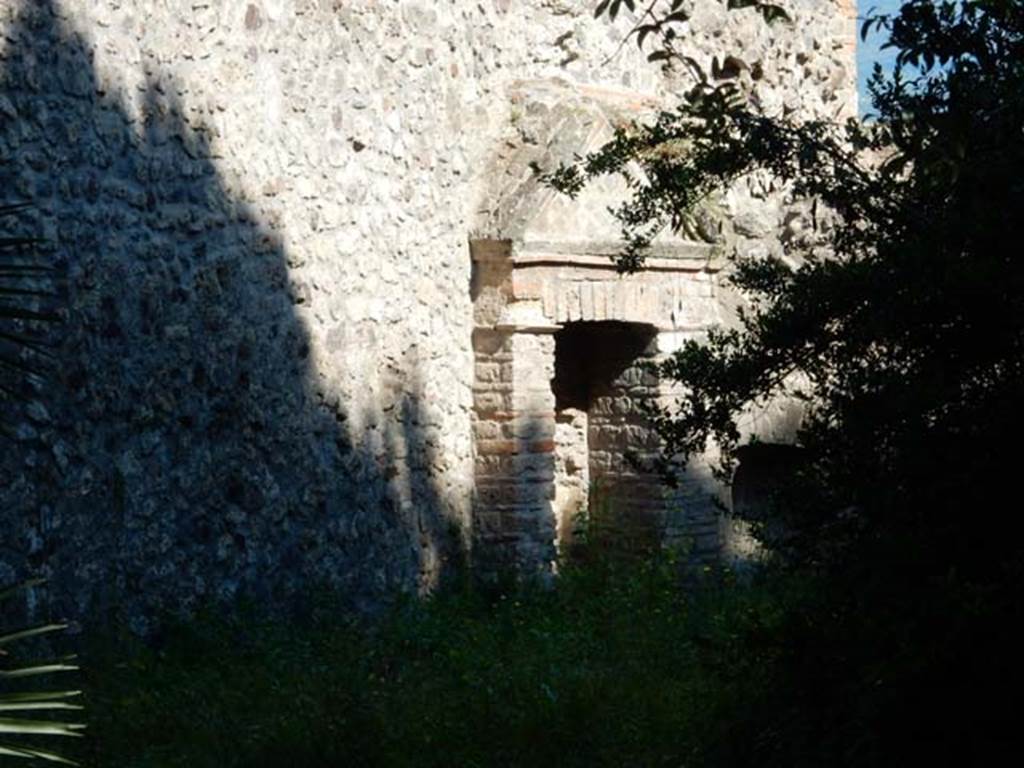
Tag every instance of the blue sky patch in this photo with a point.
(869, 51)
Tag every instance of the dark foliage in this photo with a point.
(903, 329)
(617, 666)
(907, 324)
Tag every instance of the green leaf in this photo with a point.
(20, 269)
(39, 727)
(6, 310)
(865, 28)
(39, 706)
(39, 669)
(9, 208)
(18, 242)
(39, 346)
(36, 696)
(773, 13)
(696, 68)
(18, 365)
(41, 629)
(643, 31)
(38, 754)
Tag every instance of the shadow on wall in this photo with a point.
(186, 453)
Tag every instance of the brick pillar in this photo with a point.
(514, 428)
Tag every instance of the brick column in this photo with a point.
(514, 428)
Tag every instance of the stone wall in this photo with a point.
(261, 213)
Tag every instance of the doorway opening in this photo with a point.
(602, 436)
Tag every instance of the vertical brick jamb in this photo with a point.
(531, 515)
(492, 405)
(514, 431)
(513, 418)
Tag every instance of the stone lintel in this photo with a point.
(678, 256)
(671, 257)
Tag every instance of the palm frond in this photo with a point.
(27, 314)
(35, 754)
(36, 704)
(36, 631)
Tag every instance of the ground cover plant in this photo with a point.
(617, 665)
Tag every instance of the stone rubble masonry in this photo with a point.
(279, 368)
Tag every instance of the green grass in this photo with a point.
(616, 666)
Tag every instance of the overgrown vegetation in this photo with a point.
(903, 331)
(617, 666)
(885, 635)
